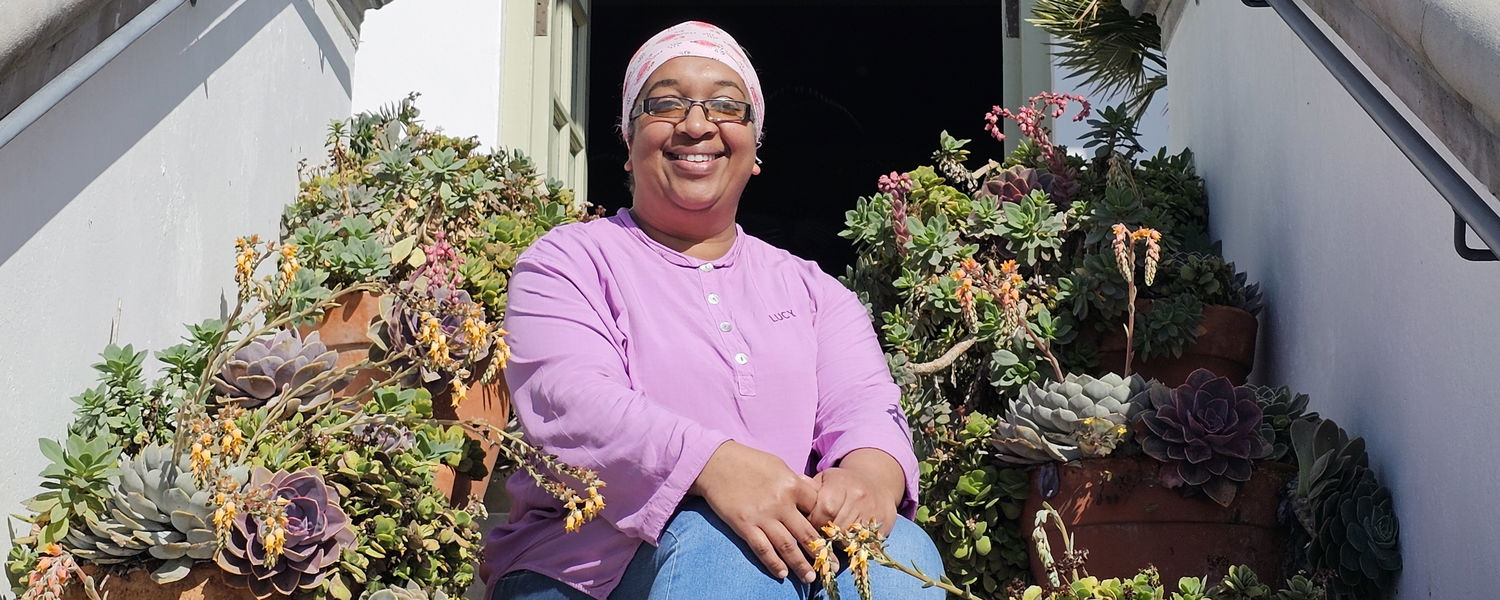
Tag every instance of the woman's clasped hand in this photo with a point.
(775, 510)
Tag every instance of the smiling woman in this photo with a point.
(734, 395)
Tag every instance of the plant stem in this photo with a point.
(946, 360)
(886, 561)
(1129, 325)
(1046, 351)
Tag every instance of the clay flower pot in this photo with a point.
(1225, 345)
(346, 328)
(1119, 511)
(204, 582)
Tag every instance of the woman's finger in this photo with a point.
(803, 530)
(830, 500)
(791, 551)
(765, 551)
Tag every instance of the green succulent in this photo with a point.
(1240, 583)
(19, 563)
(157, 509)
(1348, 515)
(122, 408)
(392, 186)
(1281, 408)
(1079, 417)
(410, 592)
(77, 485)
(1168, 328)
(1300, 587)
(1033, 232)
(970, 508)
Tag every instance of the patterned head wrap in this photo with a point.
(691, 38)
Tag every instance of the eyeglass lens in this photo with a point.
(716, 109)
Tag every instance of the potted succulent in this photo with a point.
(248, 471)
(274, 458)
(997, 292)
(976, 276)
(397, 203)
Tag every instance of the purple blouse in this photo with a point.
(638, 361)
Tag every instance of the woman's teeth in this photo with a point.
(692, 157)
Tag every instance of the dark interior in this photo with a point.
(853, 90)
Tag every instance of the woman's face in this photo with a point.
(692, 166)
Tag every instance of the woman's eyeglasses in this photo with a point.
(717, 110)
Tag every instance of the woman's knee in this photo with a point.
(699, 550)
(909, 543)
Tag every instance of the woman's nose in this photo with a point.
(695, 123)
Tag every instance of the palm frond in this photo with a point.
(1102, 43)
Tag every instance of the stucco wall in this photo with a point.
(448, 51)
(126, 198)
(1369, 309)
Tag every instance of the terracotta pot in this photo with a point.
(1225, 345)
(1119, 511)
(204, 582)
(488, 402)
(346, 329)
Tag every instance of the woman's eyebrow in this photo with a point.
(662, 83)
(726, 83)
(723, 83)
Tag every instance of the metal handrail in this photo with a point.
(81, 70)
(1469, 207)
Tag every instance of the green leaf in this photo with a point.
(52, 450)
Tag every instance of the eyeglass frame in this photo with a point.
(640, 109)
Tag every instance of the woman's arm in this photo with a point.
(572, 395)
(860, 427)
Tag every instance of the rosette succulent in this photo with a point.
(1280, 408)
(1016, 183)
(389, 438)
(445, 332)
(1348, 515)
(271, 367)
(273, 559)
(156, 509)
(1079, 417)
(1206, 432)
(410, 592)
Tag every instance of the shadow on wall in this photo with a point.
(161, 69)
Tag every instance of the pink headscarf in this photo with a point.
(690, 38)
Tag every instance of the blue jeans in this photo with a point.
(701, 558)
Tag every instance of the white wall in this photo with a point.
(1152, 126)
(126, 198)
(1369, 309)
(449, 51)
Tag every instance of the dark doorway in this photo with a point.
(853, 90)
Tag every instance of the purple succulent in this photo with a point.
(269, 367)
(385, 437)
(316, 532)
(1016, 182)
(403, 322)
(1206, 432)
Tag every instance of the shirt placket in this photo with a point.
(731, 338)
